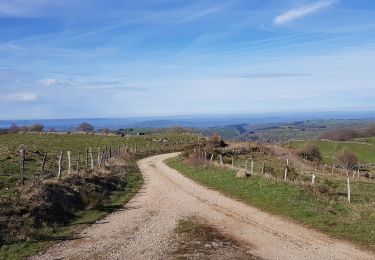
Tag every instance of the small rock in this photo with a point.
(215, 245)
(241, 174)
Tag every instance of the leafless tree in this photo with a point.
(347, 159)
(36, 128)
(86, 127)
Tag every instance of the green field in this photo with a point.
(370, 140)
(53, 144)
(323, 207)
(329, 149)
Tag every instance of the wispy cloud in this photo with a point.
(302, 11)
(298, 96)
(268, 75)
(47, 82)
(18, 97)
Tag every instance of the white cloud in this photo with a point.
(20, 97)
(47, 82)
(302, 11)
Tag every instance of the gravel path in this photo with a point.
(142, 230)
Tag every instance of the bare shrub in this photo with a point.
(347, 159)
(217, 141)
(193, 160)
(310, 152)
(36, 128)
(86, 127)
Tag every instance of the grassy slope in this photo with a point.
(329, 149)
(354, 222)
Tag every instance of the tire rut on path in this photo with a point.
(142, 230)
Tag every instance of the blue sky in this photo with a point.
(70, 58)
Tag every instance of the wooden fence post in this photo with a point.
(252, 168)
(263, 167)
(87, 157)
(43, 163)
(101, 159)
(91, 159)
(285, 174)
(313, 179)
(78, 159)
(232, 161)
(221, 160)
(98, 161)
(69, 162)
(60, 166)
(348, 182)
(22, 165)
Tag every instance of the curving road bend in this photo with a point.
(142, 230)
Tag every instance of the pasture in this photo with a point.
(330, 149)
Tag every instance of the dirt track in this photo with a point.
(143, 228)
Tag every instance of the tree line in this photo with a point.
(346, 134)
(39, 128)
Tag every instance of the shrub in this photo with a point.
(36, 128)
(310, 152)
(217, 141)
(347, 159)
(86, 127)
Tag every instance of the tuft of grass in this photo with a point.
(194, 239)
(317, 209)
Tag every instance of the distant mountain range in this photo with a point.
(193, 121)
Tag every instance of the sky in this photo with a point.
(74, 59)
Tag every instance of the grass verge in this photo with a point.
(353, 222)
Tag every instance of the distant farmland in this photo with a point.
(364, 151)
